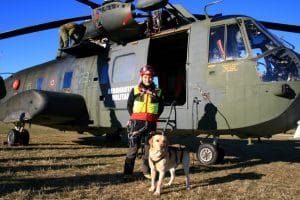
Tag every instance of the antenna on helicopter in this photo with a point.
(210, 4)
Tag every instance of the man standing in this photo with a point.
(67, 32)
(145, 104)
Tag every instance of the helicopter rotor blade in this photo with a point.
(269, 25)
(40, 27)
(89, 3)
(281, 27)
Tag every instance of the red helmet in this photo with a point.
(147, 69)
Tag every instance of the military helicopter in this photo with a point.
(220, 75)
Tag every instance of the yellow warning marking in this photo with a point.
(230, 67)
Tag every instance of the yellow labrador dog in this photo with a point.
(163, 158)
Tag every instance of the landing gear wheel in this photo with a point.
(24, 137)
(12, 137)
(207, 154)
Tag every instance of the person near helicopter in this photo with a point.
(70, 32)
(145, 105)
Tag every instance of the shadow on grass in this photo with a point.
(54, 185)
(238, 152)
(213, 181)
(238, 155)
(13, 170)
(45, 146)
(102, 141)
(232, 177)
(93, 141)
(58, 158)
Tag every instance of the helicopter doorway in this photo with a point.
(168, 55)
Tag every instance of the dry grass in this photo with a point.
(59, 165)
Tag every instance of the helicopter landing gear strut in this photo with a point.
(18, 135)
(210, 154)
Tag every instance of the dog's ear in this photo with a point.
(151, 142)
(166, 142)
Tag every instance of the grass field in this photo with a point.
(67, 165)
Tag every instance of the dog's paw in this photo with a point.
(167, 184)
(156, 193)
(151, 189)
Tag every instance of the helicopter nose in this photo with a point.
(2, 88)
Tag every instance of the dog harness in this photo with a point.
(170, 150)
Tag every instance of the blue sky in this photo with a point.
(31, 49)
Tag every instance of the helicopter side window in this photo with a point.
(67, 80)
(124, 68)
(216, 45)
(39, 83)
(234, 48)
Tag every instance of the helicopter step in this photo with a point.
(167, 120)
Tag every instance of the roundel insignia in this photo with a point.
(52, 83)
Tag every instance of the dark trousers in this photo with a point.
(136, 144)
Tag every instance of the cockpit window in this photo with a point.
(273, 62)
(279, 65)
(216, 44)
(229, 46)
(259, 42)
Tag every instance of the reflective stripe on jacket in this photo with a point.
(146, 103)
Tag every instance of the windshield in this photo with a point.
(279, 65)
(273, 62)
